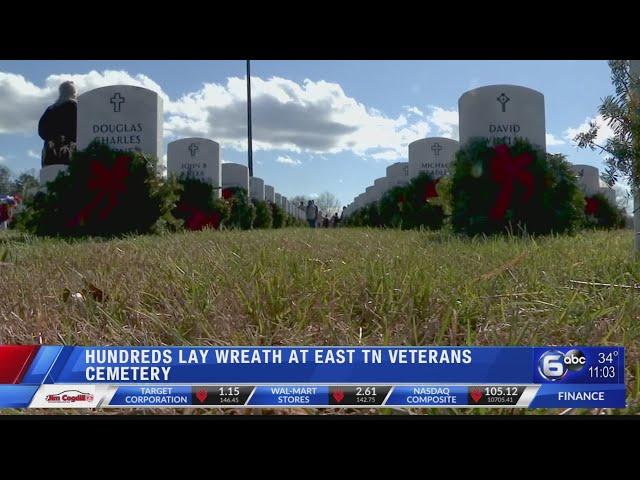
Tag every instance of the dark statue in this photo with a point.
(57, 127)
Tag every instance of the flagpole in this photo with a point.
(250, 146)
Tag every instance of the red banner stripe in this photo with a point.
(14, 362)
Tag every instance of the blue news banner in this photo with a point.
(526, 377)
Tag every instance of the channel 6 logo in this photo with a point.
(554, 365)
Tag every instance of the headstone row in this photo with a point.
(130, 118)
(500, 113)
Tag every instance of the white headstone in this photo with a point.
(269, 194)
(502, 113)
(609, 193)
(588, 178)
(256, 185)
(397, 174)
(122, 116)
(197, 158)
(50, 172)
(369, 195)
(380, 187)
(434, 155)
(235, 175)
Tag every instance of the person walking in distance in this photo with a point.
(311, 213)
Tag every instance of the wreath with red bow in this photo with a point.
(600, 213)
(104, 192)
(198, 207)
(498, 188)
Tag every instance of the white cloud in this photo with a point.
(446, 121)
(389, 155)
(2, 159)
(414, 110)
(22, 102)
(553, 141)
(33, 154)
(316, 117)
(288, 160)
(604, 132)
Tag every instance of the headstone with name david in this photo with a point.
(123, 117)
(502, 113)
(588, 178)
(269, 194)
(434, 155)
(235, 175)
(256, 185)
(196, 158)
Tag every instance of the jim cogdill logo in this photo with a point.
(69, 396)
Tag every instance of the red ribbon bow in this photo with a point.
(197, 219)
(430, 190)
(592, 206)
(105, 182)
(507, 171)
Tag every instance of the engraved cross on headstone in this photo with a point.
(502, 100)
(435, 148)
(117, 100)
(193, 148)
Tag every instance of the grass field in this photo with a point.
(325, 287)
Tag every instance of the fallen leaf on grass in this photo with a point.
(90, 292)
(95, 293)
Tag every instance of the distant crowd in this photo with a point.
(318, 219)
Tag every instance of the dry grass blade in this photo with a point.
(610, 285)
(502, 268)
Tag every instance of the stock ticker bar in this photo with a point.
(322, 377)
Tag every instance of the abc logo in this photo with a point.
(554, 365)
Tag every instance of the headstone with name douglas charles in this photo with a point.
(196, 158)
(123, 117)
(433, 155)
(502, 113)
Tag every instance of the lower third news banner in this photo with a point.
(327, 377)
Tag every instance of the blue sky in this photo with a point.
(318, 125)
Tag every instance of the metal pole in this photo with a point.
(250, 146)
